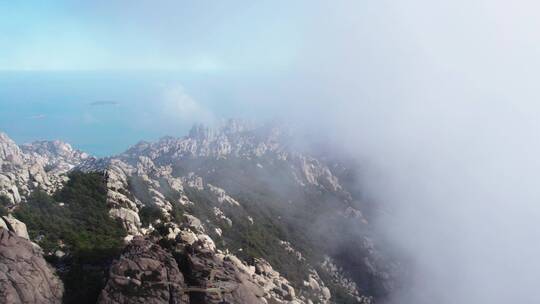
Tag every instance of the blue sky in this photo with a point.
(141, 35)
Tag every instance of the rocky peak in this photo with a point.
(234, 138)
(9, 151)
(55, 152)
(53, 148)
(199, 131)
(231, 127)
(39, 165)
(241, 135)
(234, 126)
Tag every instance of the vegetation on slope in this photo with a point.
(150, 214)
(75, 220)
(260, 238)
(281, 210)
(4, 203)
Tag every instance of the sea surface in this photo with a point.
(104, 113)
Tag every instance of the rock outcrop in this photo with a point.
(41, 165)
(146, 274)
(58, 155)
(226, 278)
(14, 225)
(25, 277)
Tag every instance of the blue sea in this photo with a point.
(104, 113)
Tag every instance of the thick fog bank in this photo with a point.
(461, 201)
(438, 101)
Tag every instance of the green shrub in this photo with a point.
(4, 203)
(139, 187)
(81, 227)
(247, 240)
(177, 212)
(150, 214)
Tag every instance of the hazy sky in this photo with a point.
(141, 35)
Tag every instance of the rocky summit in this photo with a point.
(233, 214)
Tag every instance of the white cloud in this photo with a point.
(179, 104)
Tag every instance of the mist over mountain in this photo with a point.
(386, 152)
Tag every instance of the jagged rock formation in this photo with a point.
(25, 277)
(235, 140)
(40, 165)
(58, 156)
(208, 267)
(235, 206)
(144, 273)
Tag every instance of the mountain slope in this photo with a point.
(238, 197)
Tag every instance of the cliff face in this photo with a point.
(25, 277)
(231, 214)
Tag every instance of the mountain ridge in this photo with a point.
(214, 179)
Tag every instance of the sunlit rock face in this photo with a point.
(11, 163)
(36, 166)
(56, 155)
(15, 226)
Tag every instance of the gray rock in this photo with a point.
(145, 273)
(59, 254)
(18, 227)
(129, 218)
(326, 293)
(40, 165)
(193, 222)
(3, 224)
(25, 277)
(237, 286)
